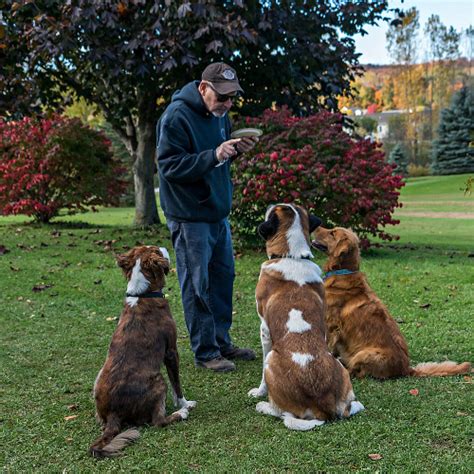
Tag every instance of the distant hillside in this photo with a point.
(388, 87)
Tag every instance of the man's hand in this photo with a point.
(227, 149)
(246, 144)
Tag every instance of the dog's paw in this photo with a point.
(257, 392)
(356, 407)
(266, 409)
(190, 404)
(183, 413)
(183, 403)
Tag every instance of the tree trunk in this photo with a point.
(144, 169)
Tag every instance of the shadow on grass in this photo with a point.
(66, 225)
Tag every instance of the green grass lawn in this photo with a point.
(437, 194)
(54, 341)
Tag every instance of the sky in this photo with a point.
(457, 13)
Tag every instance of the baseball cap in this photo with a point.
(223, 78)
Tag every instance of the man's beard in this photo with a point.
(223, 114)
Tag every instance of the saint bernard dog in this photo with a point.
(306, 385)
(130, 389)
(361, 331)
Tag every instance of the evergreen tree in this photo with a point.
(453, 151)
(400, 159)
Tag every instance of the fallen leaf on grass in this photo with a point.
(14, 269)
(97, 282)
(70, 417)
(41, 287)
(375, 456)
(28, 248)
(3, 250)
(467, 379)
(425, 306)
(462, 413)
(111, 318)
(414, 392)
(107, 244)
(55, 234)
(72, 407)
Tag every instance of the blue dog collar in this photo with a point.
(338, 272)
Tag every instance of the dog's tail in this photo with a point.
(440, 369)
(112, 441)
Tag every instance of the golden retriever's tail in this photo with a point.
(112, 441)
(440, 369)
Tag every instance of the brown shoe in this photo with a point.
(218, 364)
(239, 353)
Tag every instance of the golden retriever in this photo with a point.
(361, 331)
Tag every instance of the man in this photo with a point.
(194, 160)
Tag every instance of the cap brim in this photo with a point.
(225, 88)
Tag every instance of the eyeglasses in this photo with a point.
(222, 97)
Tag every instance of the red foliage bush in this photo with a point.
(51, 164)
(314, 162)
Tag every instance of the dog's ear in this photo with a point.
(342, 247)
(269, 228)
(125, 262)
(156, 261)
(314, 223)
(166, 265)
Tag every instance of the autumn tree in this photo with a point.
(403, 46)
(128, 57)
(443, 53)
(56, 164)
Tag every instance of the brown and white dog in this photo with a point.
(360, 329)
(306, 385)
(130, 389)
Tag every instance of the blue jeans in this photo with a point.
(205, 265)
